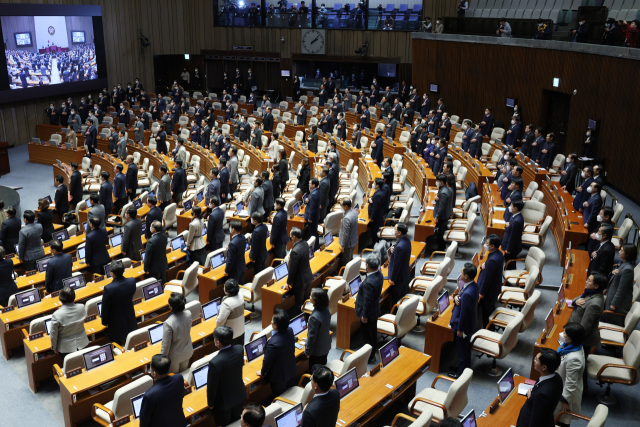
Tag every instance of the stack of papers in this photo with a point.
(524, 388)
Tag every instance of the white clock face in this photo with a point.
(313, 41)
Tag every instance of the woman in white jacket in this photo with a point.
(231, 311)
(571, 369)
(195, 241)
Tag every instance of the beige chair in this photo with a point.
(39, 324)
(120, 406)
(623, 232)
(421, 282)
(139, 285)
(398, 187)
(388, 232)
(347, 274)
(430, 265)
(612, 370)
(91, 306)
(210, 255)
(332, 223)
(134, 338)
(397, 325)
(169, 218)
(537, 238)
(460, 177)
(516, 296)
(265, 332)
(334, 292)
(558, 164)
(497, 345)
(535, 257)
(188, 374)
(402, 200)
(463, 235)
(187, 283)
(73, 361)
(503, 315)
(428, 299)
(296, 395)
(533, 213)
(357, 359)
(253, 291)
(443, 404)
(611, 334)
(598, 419)
(424, 420)
(464, 208)
(617, 212)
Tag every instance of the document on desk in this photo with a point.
(499, 209)
(499, 221)
(524, 388)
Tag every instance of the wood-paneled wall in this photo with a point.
(473, 76)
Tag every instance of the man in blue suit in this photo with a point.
(365, 118)
(213, 189)
(547, 152)
(591, 208)
(537, 144)
(106, 190)
(279, 363)
(215, 232)
(119, 188)
(581, 192)
(258, 253)
(117, 305)
(376, 209)
(314, 200)
(487, 122)
(154, 214)
(400, 264)
(368, 304)
(377, 152)
(96, 247)
(514, 192)
(91, 137)
(512, 239)
(301, 117)
(58, 268)
(445, 128)
(162, 403)
(236, 264)
(467, 135)
(490, 279)
(475, 143)
(178, 183)
(513, 134)
(279, 236)
(464, 319)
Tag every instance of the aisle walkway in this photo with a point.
(55, 76)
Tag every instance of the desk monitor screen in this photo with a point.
(506, 385)
(136, 404)
(298, 324)
(177, 242)
(143, 229)
(240, 207)
(75, 282)
(187, 206)
(41, 264)
(17, 252)
(142, 255)
(200, 376)
(116, 240)
(561, 296)
(592, 124)
(281, 271)
(296, 208)
(217, 260)
(48, 199)
(151, 194)
(100, 309)
(328, 239)
(211, 308)
(389, 352)
(511, 102)
(137, 203)
(256, 348)
(61, 235)
(555, 190)
(549, 322)
(85, 226)
(47, 325)
(354, 285)
(204, 231)
(291, 418)
(107, 270)
(311, 253)
(26, 298)
(200, 197)
(98, 357)
(247, 246)
(469, 420)
(521, 155)
(347, 383)
(88, 201)
(443, 301)
(152, 290)
(155, 333)
(433, 87)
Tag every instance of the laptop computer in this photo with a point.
(328, 239)
(136, 404)
(99, 308)
(212, 308)
(200, 376)
(177, 242)
(98, 357)
(217, 260)
(75, 282)
(281, 271)
(48, 199)
(155, 333)
(200, 197)
(290, 418)
(311, 252)
(354, 285)
(115, 240)
(137, 203)
(152, 290)
(255, 348)
(389, 352)
(204, 231)
(298, 324)
(88, 202)
(107, 270)
(347, 383)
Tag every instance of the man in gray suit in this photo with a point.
(214, 186)
(256, 199)
(67, 325)
(318, 342)
(232, 164)
(75, 121)
(348, 237)
(30, 246)
(164, 187)
(122, 146)
(138, 127)
(442, 209)
(97, 210)
(132, 236)
(181, 152)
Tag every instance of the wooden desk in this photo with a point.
(48, 154)
(418, 173)
(492, 209)
(348, 322)
(323, 264)
(507, 413)
(425, 225)
(476, 172)
(368, 171)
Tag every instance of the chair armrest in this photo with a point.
(526, 296)
(303, 377)
(253, 334)
(602, 378)
(305, 303)
(412, 409)
(25, 333)
(99, 420)
(287, 401)
(614, 312)
(277, 259)
(571, 414)
(395, 325)
(499, 323)
(118, 346)
(513, 260)
(57, 372)
(437, 252)
(519, 278)
(401, 415)
(179, 273)
(506, 313)
(392, 220)
(250, 291)
(345, 351)
(608, 328)
(488, 339)
(324, 285)
(441, 377)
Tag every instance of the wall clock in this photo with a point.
(314, 41)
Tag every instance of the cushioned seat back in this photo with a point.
(307, 394)
(357, 360)
(38, 325)
(537, 196)
(271, 412)
(137, 337)
(462, 174)
(509, 337)
(624, 229)
(75, 360)
(259, 281)
(122, 399)
(617, 212)
(533, 211)
(528, 311)
(333, 222)
(535, 257)
(531, 188)
(198, 364)
(530, 281)
(632, 318)
(457, 398)
(91, 306)
(430, 296)
(406, 315)
(497, 133)
(631, 352)
(544, 229)
(335, 294)
(195, 308)
(599, 417)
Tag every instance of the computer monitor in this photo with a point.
(100, 308)
(561, 296)
(389, 352)
(217, 260)
(354, 285)
(142, 255)
(137, 203)
(549, 322)
(281, 271)
(75, 282)
(255, 348)
(116, 240)
(296, 208)
(204, 231)
(85, 226)
(511, 102)
(48, 199)
(136, 404)
(505, 385)
(291, 418)
(247, 246)
(143, 229)
(88, 202)
(152, 290)
(200, 376)
(155, 333)
(98, 357)
(311, 252)
(177, 242)
(347, 383)
(61, 235)
(239, 207)
(151, 194)
(443, 301)
(41, 264)
(211, 308)
(469, 420)
(328, 239)
(298, 324)
(200, 197)
(187, 205)
(434, 87)
(16, 247)
(107, 270)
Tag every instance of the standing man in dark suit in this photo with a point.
(425, 106)
(569, 173)
(400, 264)
(236, 264)
(547, 152)
(377, 151)
(300, 274)
(487, 122)
(258, 252)
(537, 144)
(215, 232)
(30, 246)
(591, 208)
(513, 134)
(267, 188)
(279, 237)
(117, 305)
(279, 363)
(545, 395)
(368, 304)
(464, 319)
(602, 258)
(162, 403)
(527, 140)
(324, 190)
(466, 136)
(96, 247)
(442, 209)
(490, 279)
(225, 384)
(302, 115)
(582, 194)
(580, 34)
(311, 213)
(132, 235)
(318, 342)
(155, 259)
(119, 188)
(365, 117)
(154, 214)
(10, 230)
(91, 137)
(132, 178)
(445, 128)
(407, 115)
(267, 121)
(213, 189)
(342, 127)
(512, 239)
(179, 182)
(376, 209)
(75, 185)
(58, 268)
(61, 198)
(514, 193)
(324, 407)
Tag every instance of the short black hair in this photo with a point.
(346, 202)
(215, 200)
(11, 211)
(373, 262)
(519, 182)
(442, 178)
(132, 212)
(630, 252)
(321, 297)
(281, 319)
(550, 359)
(315, 182)
(119, 167)
(470, 270)
(117, 268)
(518, 204)
(161, 364)
(67, 295)
(494, 240)
(95, 198)
(322, 376)
(296, 232)
(576, 332)
(253, 415)
(177, 302)
(29, 215)
(105, 175)
(236, 225)
(257, 216)
(280, 202)
(402, 228)
(56, 244)
(95, 221)
(59, 178)
(607, 230)
(231, 287)
(450, 422)
(224, 334)
(153, 200)
(600, 280)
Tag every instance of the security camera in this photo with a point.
(282, 39)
